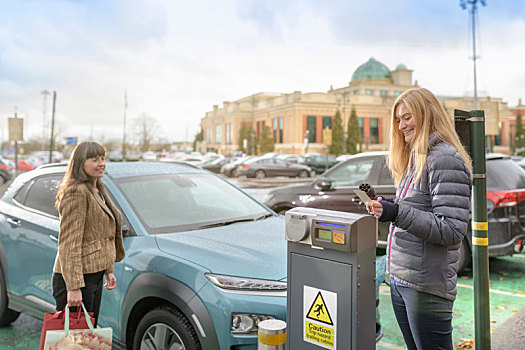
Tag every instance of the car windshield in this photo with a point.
(176, 202)
(504, 174)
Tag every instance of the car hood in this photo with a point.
(247, 249)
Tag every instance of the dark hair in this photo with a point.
(75, 173)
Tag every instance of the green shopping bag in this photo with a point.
(79, 339)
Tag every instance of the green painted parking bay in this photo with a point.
(507, 296)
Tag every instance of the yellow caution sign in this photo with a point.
(319, 312)
(320, 317)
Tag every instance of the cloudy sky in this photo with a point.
(176, 59)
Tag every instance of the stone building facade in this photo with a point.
(294, 117)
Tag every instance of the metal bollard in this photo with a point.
(272, 335)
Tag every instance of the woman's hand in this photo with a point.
(375, 208)
(74, 298)
(111, 281)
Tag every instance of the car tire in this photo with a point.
(464, 256)
(7, 316)
(259, 174)
(167, 323)
(303, 174)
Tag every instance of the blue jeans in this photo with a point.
(425, 319)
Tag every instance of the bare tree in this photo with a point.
(146, 129)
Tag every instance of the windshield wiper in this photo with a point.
(229, 222)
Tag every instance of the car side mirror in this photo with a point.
(324, 184)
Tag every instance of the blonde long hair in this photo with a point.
(429, 117)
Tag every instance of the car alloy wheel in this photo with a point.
(260, 174)
(303, 173)
(165, 328)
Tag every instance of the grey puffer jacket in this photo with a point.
(432, 220)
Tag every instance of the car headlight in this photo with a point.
(244, 283)
(247, 323)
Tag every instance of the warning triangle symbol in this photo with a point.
(318, 311)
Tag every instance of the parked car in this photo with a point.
(334, 190)
(291, 158)
(215, 165)
(114, 156)
(132, 156)
(204, 261)
(22, 164)
(149, 156)
(6, 171)
(261, 167)
(319, 162)
(230, 169)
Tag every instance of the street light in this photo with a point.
(45, 93)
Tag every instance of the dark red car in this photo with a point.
(334, 190)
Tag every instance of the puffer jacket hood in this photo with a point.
(424, 241)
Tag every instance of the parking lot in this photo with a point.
(507, 297)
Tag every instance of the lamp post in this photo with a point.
(124, 127)
(473, 10)
(253, 124)
(45, 93)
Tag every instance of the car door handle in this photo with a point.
(53, 238)
(14, 222)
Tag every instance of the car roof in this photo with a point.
(497, 156)
(131, 169)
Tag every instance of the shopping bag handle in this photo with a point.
(88, 320)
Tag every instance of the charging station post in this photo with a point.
(331, 279)
(470, 127)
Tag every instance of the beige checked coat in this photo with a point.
(89, 240)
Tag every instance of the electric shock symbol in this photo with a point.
(318, 311)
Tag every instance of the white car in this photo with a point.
(149, 156)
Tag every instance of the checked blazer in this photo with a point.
(90, 237)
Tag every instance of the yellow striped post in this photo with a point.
(272, 335)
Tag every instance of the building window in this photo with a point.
(311, 127)
(383, 92)
(356, 92)
(327, 123)
(229, 133)
(397, 93)
(218, 133)
(278, 129)
(374, 130)
(369, 91)
(208, 134)
(497, 138)
(361, 124)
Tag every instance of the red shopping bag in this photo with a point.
(55, 321)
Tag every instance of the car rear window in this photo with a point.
(504, 174)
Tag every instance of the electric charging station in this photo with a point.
(331, 280)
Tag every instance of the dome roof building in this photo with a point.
(296, 116)
(371, 69)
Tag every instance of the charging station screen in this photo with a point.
(324, 234)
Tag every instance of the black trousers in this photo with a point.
(91, 292)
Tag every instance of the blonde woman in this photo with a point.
(429, 217)
(90, 236)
